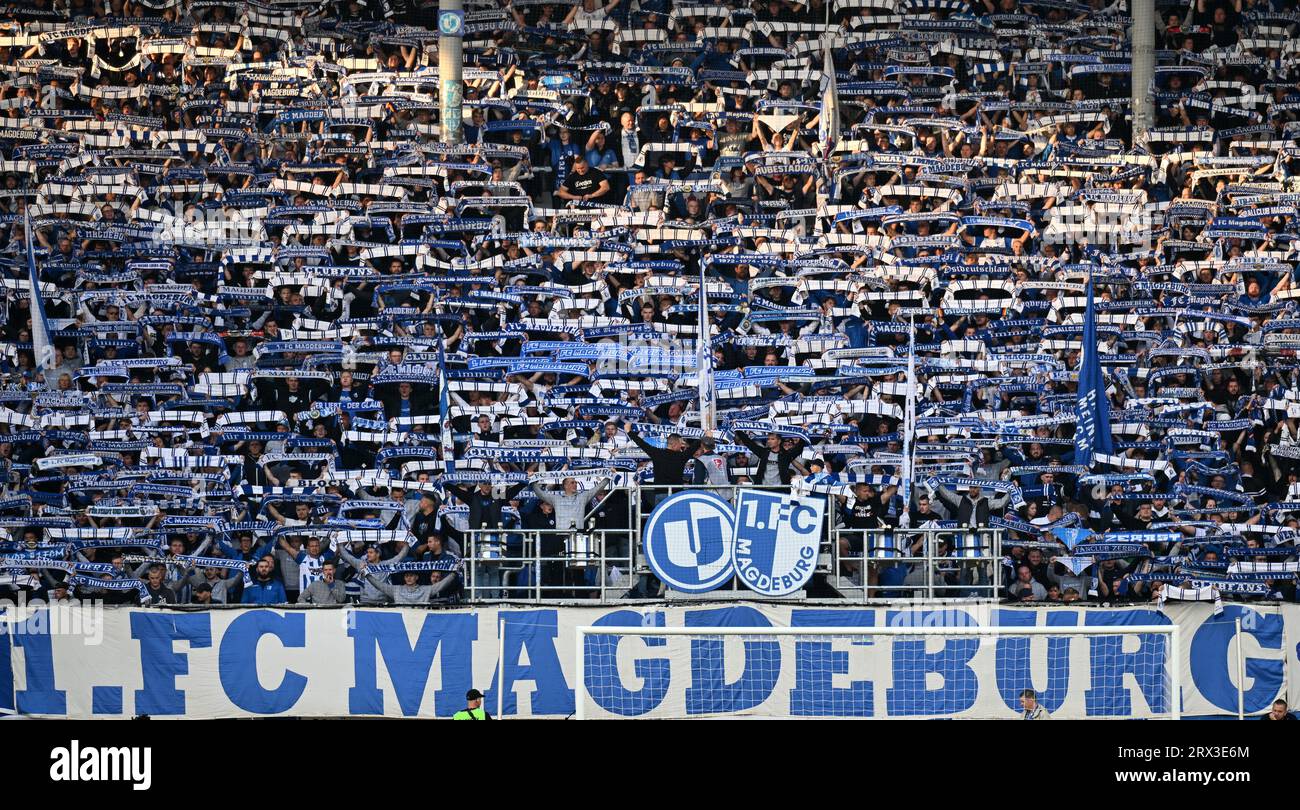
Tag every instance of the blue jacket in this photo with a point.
(264, 593)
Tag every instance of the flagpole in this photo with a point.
(42, 346)
(445, 437)
(909, 417)
(704, 363)
(828, 122)
(909, 422)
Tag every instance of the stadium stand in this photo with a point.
(260, 316)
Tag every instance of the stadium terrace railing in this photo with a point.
(508, 564)
(604, 563)
(941, 563)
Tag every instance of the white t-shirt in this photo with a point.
(589, 19)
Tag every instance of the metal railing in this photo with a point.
(936, 563)
(538, 564)
(604, 562)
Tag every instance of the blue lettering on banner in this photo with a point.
(958, 684)
(709, 692)
(817, 664)
(533, 632)
(160, 664)
(600, 662)
(40, 695)
(1108, 695)
(408, 666)
(688, 541)
(239, 646)
(776, 540)
(818, 676)
(1210, 646)
(1014, 664)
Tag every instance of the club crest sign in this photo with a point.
(696, 541)
(687, 541)
(776, 541)
(451, 23)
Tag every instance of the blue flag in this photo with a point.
(1092, 432)
(42, 346)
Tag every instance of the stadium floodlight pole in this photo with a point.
(451, 29)
(1143, 36)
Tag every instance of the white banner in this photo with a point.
(123, 662)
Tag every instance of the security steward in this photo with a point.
(474, 707)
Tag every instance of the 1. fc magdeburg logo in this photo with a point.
(777, 540)
(687, 541)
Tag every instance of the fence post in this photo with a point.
(1241, 675)
(579, 681)
(862, 569)
(537, 564)
(929, 565)
(501, 664)
(470, 539)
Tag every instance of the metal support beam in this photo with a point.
(451, 30)
(1143, 37)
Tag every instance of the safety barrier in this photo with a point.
(539, 564)
(602, 560)
(929, 563)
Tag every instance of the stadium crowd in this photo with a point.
(297, 346)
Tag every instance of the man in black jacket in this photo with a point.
(774, 459)
(973, 511)
(484, 510)
(156, 590)
(254, 473)
(425, 520)
(290, 397)
(974, 508)
(669, 464)
(484, 519)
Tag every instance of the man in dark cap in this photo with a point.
(473, 707)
